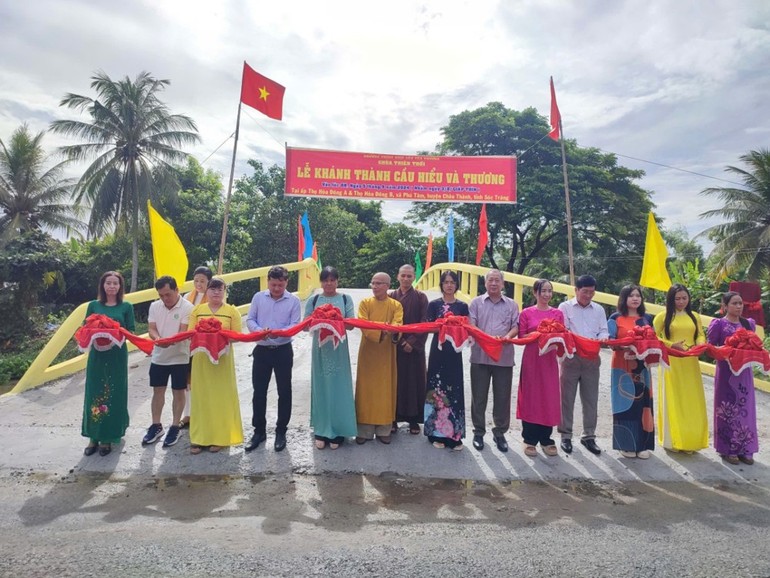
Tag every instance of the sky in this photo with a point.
(683, 83)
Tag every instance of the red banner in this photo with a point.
(344, 175)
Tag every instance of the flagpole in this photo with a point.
(229, 194)
(569, 210)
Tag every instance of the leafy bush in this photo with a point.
(14, 365)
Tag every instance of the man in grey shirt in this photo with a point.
(585, 318)
(496, 315)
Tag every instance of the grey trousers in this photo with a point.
(583, 374)
(502, 382)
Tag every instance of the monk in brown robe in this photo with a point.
(410, 353)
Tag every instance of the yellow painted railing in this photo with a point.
(471, 276)
(41, 370)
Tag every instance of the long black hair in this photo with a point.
(671, 310)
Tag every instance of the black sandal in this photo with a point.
(105, 449)
(90, 449)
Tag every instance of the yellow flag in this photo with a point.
(167, 250)
(654, 272)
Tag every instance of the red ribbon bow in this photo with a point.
(209, 325)
(744, 339)
(100, 332)
(555, 337)
(330, 324)
(551, 326)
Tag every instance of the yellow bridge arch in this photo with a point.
(41, 371)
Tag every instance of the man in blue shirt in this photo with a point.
(274, 308)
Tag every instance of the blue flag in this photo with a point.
(450, 239)
(308, 237)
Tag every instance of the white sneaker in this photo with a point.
(644, 454)
(628, 454)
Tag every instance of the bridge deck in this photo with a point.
(39, 434)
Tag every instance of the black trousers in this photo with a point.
(534, 433)
(268, 360)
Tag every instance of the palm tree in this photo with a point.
(134, 142)
(32, 198)
(743, 241)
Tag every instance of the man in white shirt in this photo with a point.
(585, 318)
(168, 316)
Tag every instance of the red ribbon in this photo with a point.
(741, 350)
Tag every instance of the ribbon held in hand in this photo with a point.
(100, 332)
(742, 350)
(744, 339)
(209, 339)
(555, 337)
(646, 346)
(453, 328)
(328, 321)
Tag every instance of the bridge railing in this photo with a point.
(471, 276)
(41, 371)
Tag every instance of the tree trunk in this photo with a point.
(134, 262)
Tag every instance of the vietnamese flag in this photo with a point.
(261, 93)
(483, 235)
(555, 115)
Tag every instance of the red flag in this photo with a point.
(300, 240)
(555, 115)
(483, 235)
(429, 256)
(260, 92)
(315, 252)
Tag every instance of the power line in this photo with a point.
(674, 168)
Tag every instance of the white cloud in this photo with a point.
(679, 83)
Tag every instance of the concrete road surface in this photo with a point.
(402, 509)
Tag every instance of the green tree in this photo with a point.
(609, 210)
(682, 247)
(386, 250)
(704, 295)
(29, 264)
(743, 239)
(31, 197)
(87, 260)
(134, 142)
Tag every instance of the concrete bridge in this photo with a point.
(40, 435)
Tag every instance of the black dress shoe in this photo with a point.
(280, 442)
(566, 446)
(90, 450)
(591, 446)
(255, 442)
(502, 445)
(478, 442)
